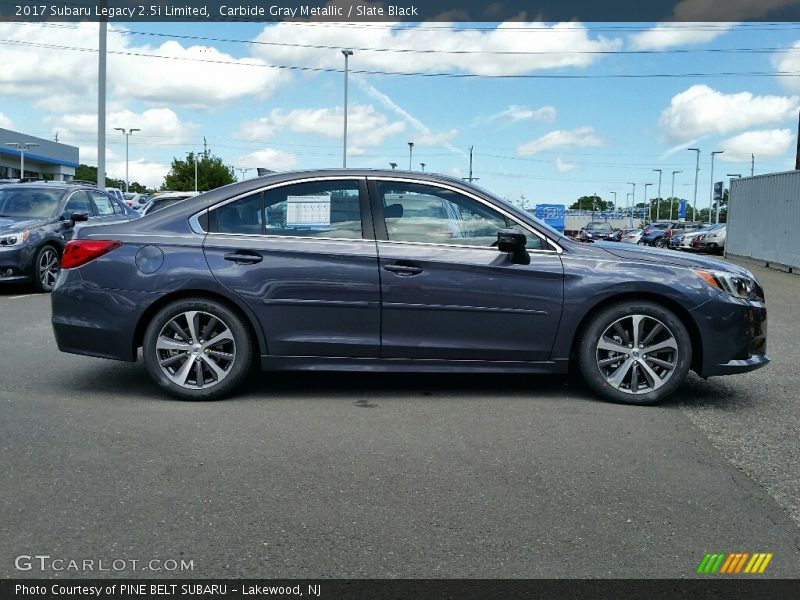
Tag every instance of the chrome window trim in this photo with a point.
(194, 220)
(462, 246)
(557, 248)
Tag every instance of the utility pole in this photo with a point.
(672, 194)
(696, 173)
(658, 200)
(753, 163)
(470, 178)
(711, 195)
(205, 147)
(347, 54)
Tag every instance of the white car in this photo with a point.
(632, 236)
(688, 240)
(116, 192)
(714, 241)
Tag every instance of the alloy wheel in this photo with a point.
(637, 354)
(196, 350)
(48, 268)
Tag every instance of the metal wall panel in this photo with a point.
(764, 218)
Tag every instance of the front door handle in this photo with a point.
(403, 270)
(243, 257)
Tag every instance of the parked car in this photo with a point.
(714, 241)
(310, 271)
(595, 231)
(658, 233)
(38, 219)
(163, 200)
(116, 193)
(620, 234)
(687, 241)
(632, 236)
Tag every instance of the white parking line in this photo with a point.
(23, 296)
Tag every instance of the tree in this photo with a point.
(87, 173)
(592, 203)
(211, 173)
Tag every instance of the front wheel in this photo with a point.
(45, 269)
(635, 353)
(197, 349)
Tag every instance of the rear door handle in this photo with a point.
(403, 270)
(243, 257)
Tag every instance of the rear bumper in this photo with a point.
(95, 321)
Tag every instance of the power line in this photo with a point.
(418, 73)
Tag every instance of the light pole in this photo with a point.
(347, 54)
(243, 171)
(633, 201)
(127, 135)
(672, 194)
(711, 193)
(658, 200)
(410, 152)
(737, 176)
(422, 166)
(696, 173)
(615, 200)
(393, 165)
(649, 208)
(21, 146)
(195, 170)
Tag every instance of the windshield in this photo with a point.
(28, 203)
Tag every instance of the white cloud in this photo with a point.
(669, 35)
(33, 67)
(516, 113)
(434, 139)
(5, 122)
(365, 125)
(267, 158)
(764, 143)
(582, 137)
(150, 174)
(701, 110)
(515, 49)
(789, 62)
(564, 167)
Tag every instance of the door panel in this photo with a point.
(468, 303)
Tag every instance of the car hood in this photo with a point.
(670, 257)
(12, 224)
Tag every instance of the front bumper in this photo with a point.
(16, 264)
(733, 334)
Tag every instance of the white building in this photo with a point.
(42, 157)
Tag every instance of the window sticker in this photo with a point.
(313, 212)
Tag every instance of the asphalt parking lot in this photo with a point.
(368, 476)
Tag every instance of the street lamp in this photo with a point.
(672, 194)
(410, 152)
(422, 166)
(711, 193)
(243, 171)
(650, 208)
(21, 146)
(127, 134)
(393, 165)
(633, 201)
(658, 206)
(696, 173)
(347, 54)
(615, 200)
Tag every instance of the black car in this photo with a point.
(595, 231)
(339, 270)
(37, 220)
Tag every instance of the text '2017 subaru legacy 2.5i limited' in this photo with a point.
(330, 270)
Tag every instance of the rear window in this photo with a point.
(599, 227)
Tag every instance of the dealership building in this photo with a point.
(41, 157)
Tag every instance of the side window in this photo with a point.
(78, 202)
(104, 204)
(424, 213)
(245, 215)
(316, 209)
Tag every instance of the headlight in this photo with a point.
(738, 286)
(14, 239)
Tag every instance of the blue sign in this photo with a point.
(682, 209)
(718, 191)
(552, 214)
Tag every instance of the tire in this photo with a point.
(46, 267)
(183, 360)
(660, 243)
(635, 377)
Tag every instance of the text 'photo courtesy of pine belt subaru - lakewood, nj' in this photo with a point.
(365, 270)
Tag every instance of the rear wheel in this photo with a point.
(45, 269)
(197, 349)
(635, 353)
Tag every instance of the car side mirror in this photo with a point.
(78, 216)
(514, 242)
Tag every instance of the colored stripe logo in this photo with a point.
(734, 563)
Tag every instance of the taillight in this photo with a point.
(80, 252)
(669, 233)
(648, 231)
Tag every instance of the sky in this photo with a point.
(553, 111)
